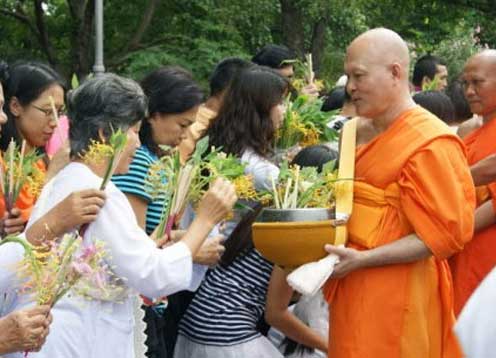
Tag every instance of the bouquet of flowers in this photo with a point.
(51, 271)
(304, 74)
(304, 124)
(304, 187)
(189, 182)
(17, 169)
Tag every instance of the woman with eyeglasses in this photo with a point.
(30, 88)
(27, 329)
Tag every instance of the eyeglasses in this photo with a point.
(49, 112)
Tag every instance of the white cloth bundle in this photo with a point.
(309, 278)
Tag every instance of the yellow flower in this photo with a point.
(319, 84)
(311, 137)
(97, 153)
(35, 182)
(244, 187)
(298, 84)
(266, 199)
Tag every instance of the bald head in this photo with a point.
(378, 56)
(380, 46)
(479, 79)
(483, 58)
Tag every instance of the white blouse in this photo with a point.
(97, 328)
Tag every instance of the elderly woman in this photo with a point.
(27, 329)
(102, 327)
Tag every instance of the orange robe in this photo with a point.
(195, 132)
(470, 266)
(26, 200)
(412, 178)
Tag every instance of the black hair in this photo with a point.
(456, 93)
(224, 72)
(274, 56)
(315, 156)
(335, 99)
(438, 103)
(26, 81)
(169, 90)
(426, 66)
(244, 119)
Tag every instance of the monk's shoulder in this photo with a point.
(469, 126)
(427, 125)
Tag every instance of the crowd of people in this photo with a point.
(415, 279)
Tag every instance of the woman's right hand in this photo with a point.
(25, 330)
(13, 222)
(78, 208)
(217, 202)
(210, 252)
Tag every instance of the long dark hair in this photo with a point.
(244, 119)
(26, 81)
(169, 90)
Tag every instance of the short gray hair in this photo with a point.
(108, 102)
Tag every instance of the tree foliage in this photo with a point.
(143, 34)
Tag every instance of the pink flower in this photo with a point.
(99, 280)
(82, 268)
(88, 252)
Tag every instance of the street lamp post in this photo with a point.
(99, 67)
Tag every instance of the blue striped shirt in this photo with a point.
(133, 182)
(229, 303)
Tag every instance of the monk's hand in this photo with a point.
(14, 222)
(349, 260)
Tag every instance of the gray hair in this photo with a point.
(108, 102)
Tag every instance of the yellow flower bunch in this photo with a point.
(35, 182)
(310, 137)
(244, 187)
(299, 83)
(97, 153)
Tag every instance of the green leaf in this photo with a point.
(74, 81)
(201, 148)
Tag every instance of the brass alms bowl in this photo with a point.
(292, 237)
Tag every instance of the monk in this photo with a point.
(391, 293)
(479, 257)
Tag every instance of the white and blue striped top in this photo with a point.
(230, 302)
(133, 182)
